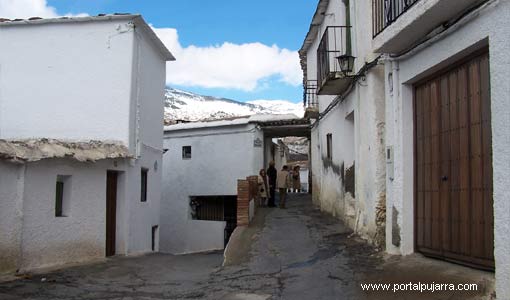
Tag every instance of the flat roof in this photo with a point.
(136, 18)
(259, 118)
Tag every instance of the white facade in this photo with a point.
(485, 27)
(429, 38)
(221, 153)
(356, 125)
(80, 79)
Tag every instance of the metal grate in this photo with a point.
(385, 12)
(310, 94)
(334, 42)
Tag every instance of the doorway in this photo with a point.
(453, 175)
(111, 211)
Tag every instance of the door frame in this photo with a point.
(111, 212)
(450, 257)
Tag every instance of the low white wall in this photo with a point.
(219, 157)
(80, 236)
(11, 215)
(357, 129)
(143, 215)
(31, 236)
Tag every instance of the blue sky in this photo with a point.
(276, 28)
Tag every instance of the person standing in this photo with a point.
(262, 181)
(271, 176)
(296, 179)
(283, 183)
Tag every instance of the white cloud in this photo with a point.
(229, 65)
(23, 9)
(236, 66)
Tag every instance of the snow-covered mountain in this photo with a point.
(182, 105)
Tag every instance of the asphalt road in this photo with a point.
(294, 253)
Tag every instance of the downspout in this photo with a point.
(137, 97)
(348, 41)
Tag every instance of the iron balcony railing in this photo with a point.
(335, 41)
(385, 12)
(310, 99)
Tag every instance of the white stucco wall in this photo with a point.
(146, 115)
(11, 215)
(357, 128)
(80, 236)
(488, 28)
(33, 237)
(148, 89)
(66, 80)
(220, 156)
(143, 215)
(81, 80)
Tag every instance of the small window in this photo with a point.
(144, 177)
(186, 152)
(329, 146)
(62, 196)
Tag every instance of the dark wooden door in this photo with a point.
(453, 165)
(111, 209)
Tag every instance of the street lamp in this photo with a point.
(346, 63)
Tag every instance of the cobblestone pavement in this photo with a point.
(294, 253)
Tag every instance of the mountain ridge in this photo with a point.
(191, 107)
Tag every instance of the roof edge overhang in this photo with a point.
(137, 20)
(317, 20)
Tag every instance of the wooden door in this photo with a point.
(453, 165)
(111, 211)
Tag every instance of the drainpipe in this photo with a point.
(348, 43)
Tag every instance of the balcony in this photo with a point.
(386, 12)
(310, 99)
(399, 24)
(335, 41)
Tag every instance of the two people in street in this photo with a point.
(283, 180)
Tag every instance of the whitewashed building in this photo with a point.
(201, 166)
(447, 130)
(347, 106)
(81, 114)
(432, 138)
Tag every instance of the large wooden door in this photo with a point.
(453, 165)
(111, 211)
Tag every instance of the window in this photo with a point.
(186, 152)
(144, 175)
(62, 196)
(329, 146)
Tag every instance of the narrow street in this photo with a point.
(296, 253)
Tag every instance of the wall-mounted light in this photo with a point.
(346, 63)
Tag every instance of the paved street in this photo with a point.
(296, 253)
